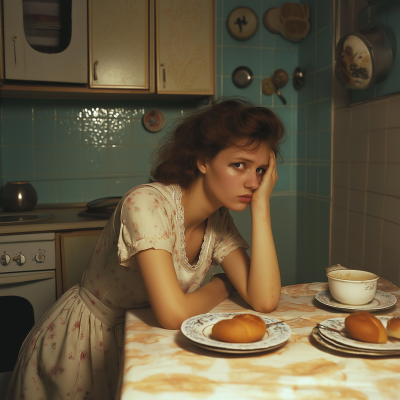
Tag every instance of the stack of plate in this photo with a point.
(344, 343)
(198, 330)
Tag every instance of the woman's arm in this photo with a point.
(258, 280)
(170, 305)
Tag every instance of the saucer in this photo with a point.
(381, 301)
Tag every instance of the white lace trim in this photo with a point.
(177, 196)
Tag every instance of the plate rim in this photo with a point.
(236, 346)
(354, 308)
(359, 344)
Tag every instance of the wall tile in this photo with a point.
(390, 266)
(16, 131)
(393, 145)
(372, 258)
(44, 131)
(324, 51)
(312, 148)
(141, 159)
(340, 197)
(339, 247)
(24, 155)
(94, 131)
(69, 190)
(357, 201)
(392, 185)
(69, 160)
(312, 179)
(120, 159)
(70, 108)
(341, 174)
(45, 160)
(69, 131)
(324, 180)
(373, 230)
(377, 145)
(341, 148)
(358, 176)
(392, 209)
(378, 115)
(285, 179)
(119, 186)
(120, 132)
(325, 139)
(44, 108)
(342, 122)
(376, 178)
(360, 120)
(359, 147)
(20, 108)
(252, 92)
(95, 160)
(355, 249)
(375, 204)
(46, 191)
(356, 224)
(393, 120)
(324, 17)
(94, 189)
(324, 83)
(391, 236)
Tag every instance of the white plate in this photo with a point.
(198, 329)
(332, 345)
(381, 301)
(338, 323)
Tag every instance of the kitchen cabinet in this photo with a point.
(121, 44)
(136, 47)
(73, 252)
(185, 46)
(40, 44)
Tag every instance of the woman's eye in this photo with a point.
(261, 171)
(238, 165)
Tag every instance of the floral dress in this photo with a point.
(74, 351)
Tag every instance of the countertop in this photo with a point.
(164, 364)
(64, 219)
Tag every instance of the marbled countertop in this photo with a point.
(164, 364)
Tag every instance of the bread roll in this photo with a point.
(393, 327)
(365, 327)
(243, 328)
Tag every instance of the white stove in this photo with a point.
(27, 291)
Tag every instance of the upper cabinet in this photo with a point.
(46, 40)
(185, 46)
(135, 46)
(119, 44)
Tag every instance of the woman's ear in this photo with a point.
(201, 165)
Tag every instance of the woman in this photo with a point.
(157, 249)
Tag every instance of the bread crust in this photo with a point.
(365, 327)
(393, 327)
(242, 328)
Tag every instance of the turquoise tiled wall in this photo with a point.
(80, 150)
(386, 12)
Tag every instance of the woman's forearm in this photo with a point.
(264, 281)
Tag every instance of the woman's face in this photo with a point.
(233, 175)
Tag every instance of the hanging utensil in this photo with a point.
(280, 78)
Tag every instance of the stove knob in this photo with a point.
(5, 259)
(39, 257)
(20, 259)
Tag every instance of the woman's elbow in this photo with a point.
(265, 307)
(171, 321)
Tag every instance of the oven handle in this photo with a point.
(33, 276)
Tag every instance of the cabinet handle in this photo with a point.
(95, 68)
(164, 79)
(14, 39)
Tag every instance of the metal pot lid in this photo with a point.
(242, 77)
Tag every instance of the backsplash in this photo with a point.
(366, 188)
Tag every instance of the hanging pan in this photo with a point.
(364, 58)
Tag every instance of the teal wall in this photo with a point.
(385, 12)
(80, 150)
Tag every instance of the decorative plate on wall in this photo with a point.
(154, 120)
(242, 23)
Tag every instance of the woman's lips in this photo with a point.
(245, 198)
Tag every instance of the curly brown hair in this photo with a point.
(205, 132)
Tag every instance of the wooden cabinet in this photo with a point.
(119, 45)
(39, 46)
(185, 46)
(135, 47)
(73, 252)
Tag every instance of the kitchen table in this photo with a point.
(164, 364)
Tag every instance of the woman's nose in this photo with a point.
(252, 181)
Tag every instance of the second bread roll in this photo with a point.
(365, 327)
(393, 327)
(243, 328)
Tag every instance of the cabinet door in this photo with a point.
(119, 43)
(75, 251)
(185, 46)
(32, 35)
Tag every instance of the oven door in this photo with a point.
(24, 298)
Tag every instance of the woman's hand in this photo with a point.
(263, 192)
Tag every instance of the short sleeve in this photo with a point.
(146, 223)
(227, 237)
